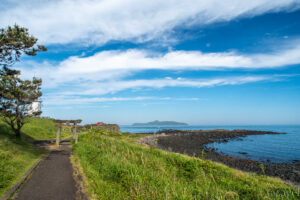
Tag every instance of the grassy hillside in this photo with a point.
(17, 155)
(118, 168)
(42, 129)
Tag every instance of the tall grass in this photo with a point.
(118, 168)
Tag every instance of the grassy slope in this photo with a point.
(17, 156)
(42, 129)
(118, 168)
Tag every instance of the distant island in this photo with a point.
(161, 123)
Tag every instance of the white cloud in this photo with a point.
(96, 22)
(69, 100)
(116, 86)
(84, 96)
(109, 66)
(80, 80)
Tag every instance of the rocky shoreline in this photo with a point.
(193, 143)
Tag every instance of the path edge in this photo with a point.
(80, 178)
(16, 186)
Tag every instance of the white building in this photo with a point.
(35, 107)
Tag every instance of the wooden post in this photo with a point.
(58, 134)
(75, 133)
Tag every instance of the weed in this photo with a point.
(262, 167)
(202, 154)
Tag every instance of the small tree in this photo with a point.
(16, 98)
(16, 94)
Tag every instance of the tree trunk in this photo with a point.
(18, 130)
(18, 133)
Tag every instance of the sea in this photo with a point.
(281, 148)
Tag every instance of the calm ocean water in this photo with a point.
(283, 148)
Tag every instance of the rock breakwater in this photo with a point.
(193, 143)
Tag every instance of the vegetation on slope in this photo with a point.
(118, 168)
(161, 123)
(16, 157)
(42, 129)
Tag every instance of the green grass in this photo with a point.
(16, 157)
(117, 167)
(42, 129)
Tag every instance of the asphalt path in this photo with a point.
(52, 179)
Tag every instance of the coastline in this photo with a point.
(193, 143)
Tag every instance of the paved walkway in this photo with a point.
(53, 178)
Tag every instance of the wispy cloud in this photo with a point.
(108, 66)
(96, 22)
(87, 95)
(116, 86)
(78, 100)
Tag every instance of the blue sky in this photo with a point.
(210, 62)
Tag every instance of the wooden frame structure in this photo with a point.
(59, 124)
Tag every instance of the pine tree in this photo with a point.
(16, 94)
